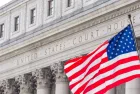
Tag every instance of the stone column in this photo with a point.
(133, 87)
(24, 83)
(61, 81)
(43, 81)
(112, 91)
(120, 89)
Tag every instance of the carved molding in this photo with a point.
(95, 21)
(83, 26)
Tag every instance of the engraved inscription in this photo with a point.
(27, 58)
(55, 48)
(84, 36)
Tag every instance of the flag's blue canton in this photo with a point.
(122, 43)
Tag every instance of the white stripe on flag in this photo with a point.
(117, 78)
(68, 65)
(74, 70)
(123, 56)
(102, 66)
(98, 60)
(106, 74)
(88, 77)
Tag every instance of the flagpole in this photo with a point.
(133, 33)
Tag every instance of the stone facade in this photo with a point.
(32, 58)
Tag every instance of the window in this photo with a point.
(33, 16)
(2, 28)
(16, 23)
(50, 7)
(69, 3)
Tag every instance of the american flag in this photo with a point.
(113, 63)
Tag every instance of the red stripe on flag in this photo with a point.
(84, 68)
(72, 60)
(77, 63)
(75, 59)
(115, 64)
(94, 73)
(100, 82)
(90, 70)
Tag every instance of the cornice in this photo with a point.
(11, 5)
(92, 19)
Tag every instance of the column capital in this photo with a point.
(57, 68)
(24, 83)
(2, 87)
(33, 83)
(16, 87)
(43, 77)
(19, 79)
(8, 84)
(58, 72)
(61, 83)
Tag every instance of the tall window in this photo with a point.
(2, 28)
(17, 23)
(33, 16)
(69, 3)
(50, 7)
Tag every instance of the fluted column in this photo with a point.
(23, 81)
(112, 91)
(133, 87)
(43, 81)
(120, 89)
(62, 86)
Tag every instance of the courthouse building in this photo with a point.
(38, 36)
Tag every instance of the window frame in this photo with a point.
(69, 3)
(50, 7)
(32, 15)
(2, 29)
(16, 23)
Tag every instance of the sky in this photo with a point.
(2, 2)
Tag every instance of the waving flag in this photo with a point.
(113, 63)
